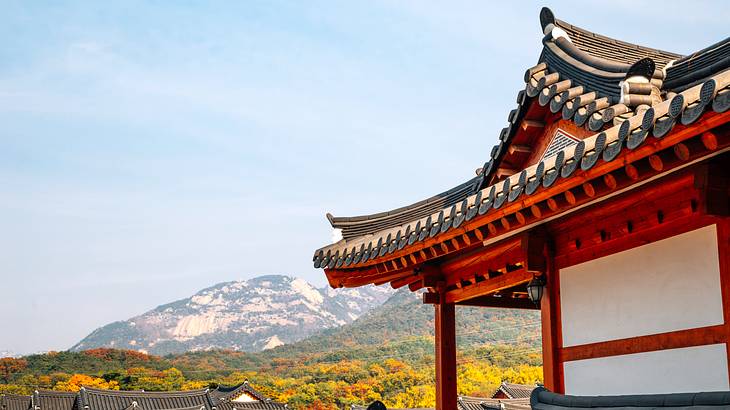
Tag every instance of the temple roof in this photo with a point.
(617, 90)
(224, 398)
(55, 400)
(98, 399)
(481, 403)
(256, 405)
(604, 47)
(222, 393)
(15, 402)
(515, 391)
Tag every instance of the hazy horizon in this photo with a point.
(151, 150)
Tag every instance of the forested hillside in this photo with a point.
(386, 354)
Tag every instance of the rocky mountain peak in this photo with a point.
(248, 315)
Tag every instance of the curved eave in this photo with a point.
(366, 224)
(495, 210)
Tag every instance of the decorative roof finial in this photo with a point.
(547, 18)
(644, 68)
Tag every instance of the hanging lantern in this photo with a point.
(535, 288)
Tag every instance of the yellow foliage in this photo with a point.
(414, 396)
(194, 385)
(81, 380)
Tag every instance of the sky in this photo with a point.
(152, 149)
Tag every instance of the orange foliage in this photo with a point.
(10, 366)
(81, 380)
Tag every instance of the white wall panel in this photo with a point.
(672, 284)
(690, 369)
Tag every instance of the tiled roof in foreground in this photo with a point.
(98, 399)
(516, 391)
(227, 398)
(222, 398)
(622, 103)
(481, 403)
(55, 400)
(15, 402)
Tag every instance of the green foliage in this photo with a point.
(385, 355)
(398, 373)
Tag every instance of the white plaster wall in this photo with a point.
(672, 284)
(685, 370)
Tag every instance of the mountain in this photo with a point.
(404, 320)
(251, 315)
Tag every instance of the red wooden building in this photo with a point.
(608, 195)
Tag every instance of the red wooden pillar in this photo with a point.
(551, 327)
(445, 356)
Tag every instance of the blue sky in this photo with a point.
(151, 149)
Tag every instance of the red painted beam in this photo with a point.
(650, 343)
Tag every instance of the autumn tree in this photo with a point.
(10, 366)
(81, 380)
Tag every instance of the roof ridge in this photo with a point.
(338, 221)
(582, 37)
(147, 393)
(56, 392)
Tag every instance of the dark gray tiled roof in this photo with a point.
(222, 393)
(606, 47)
(516, 391)
(254, 405)
(354, 226)
(96, 399)
(470, 403)
(481, 403)
(696, 67)
(223, 397)
(15, 402)
(543, 399)
(585, 86)
(55, 400)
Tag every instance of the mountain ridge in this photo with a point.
(246, 315)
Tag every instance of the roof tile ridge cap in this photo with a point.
(400, 210)
(582, 66)
(382, 215)
(344, 244)
(394, 229)
(588, 58)
(564, 24)
(209, 399)
(82, 398)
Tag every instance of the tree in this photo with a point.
(9, 366)
(173, 378)
(81, 380)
